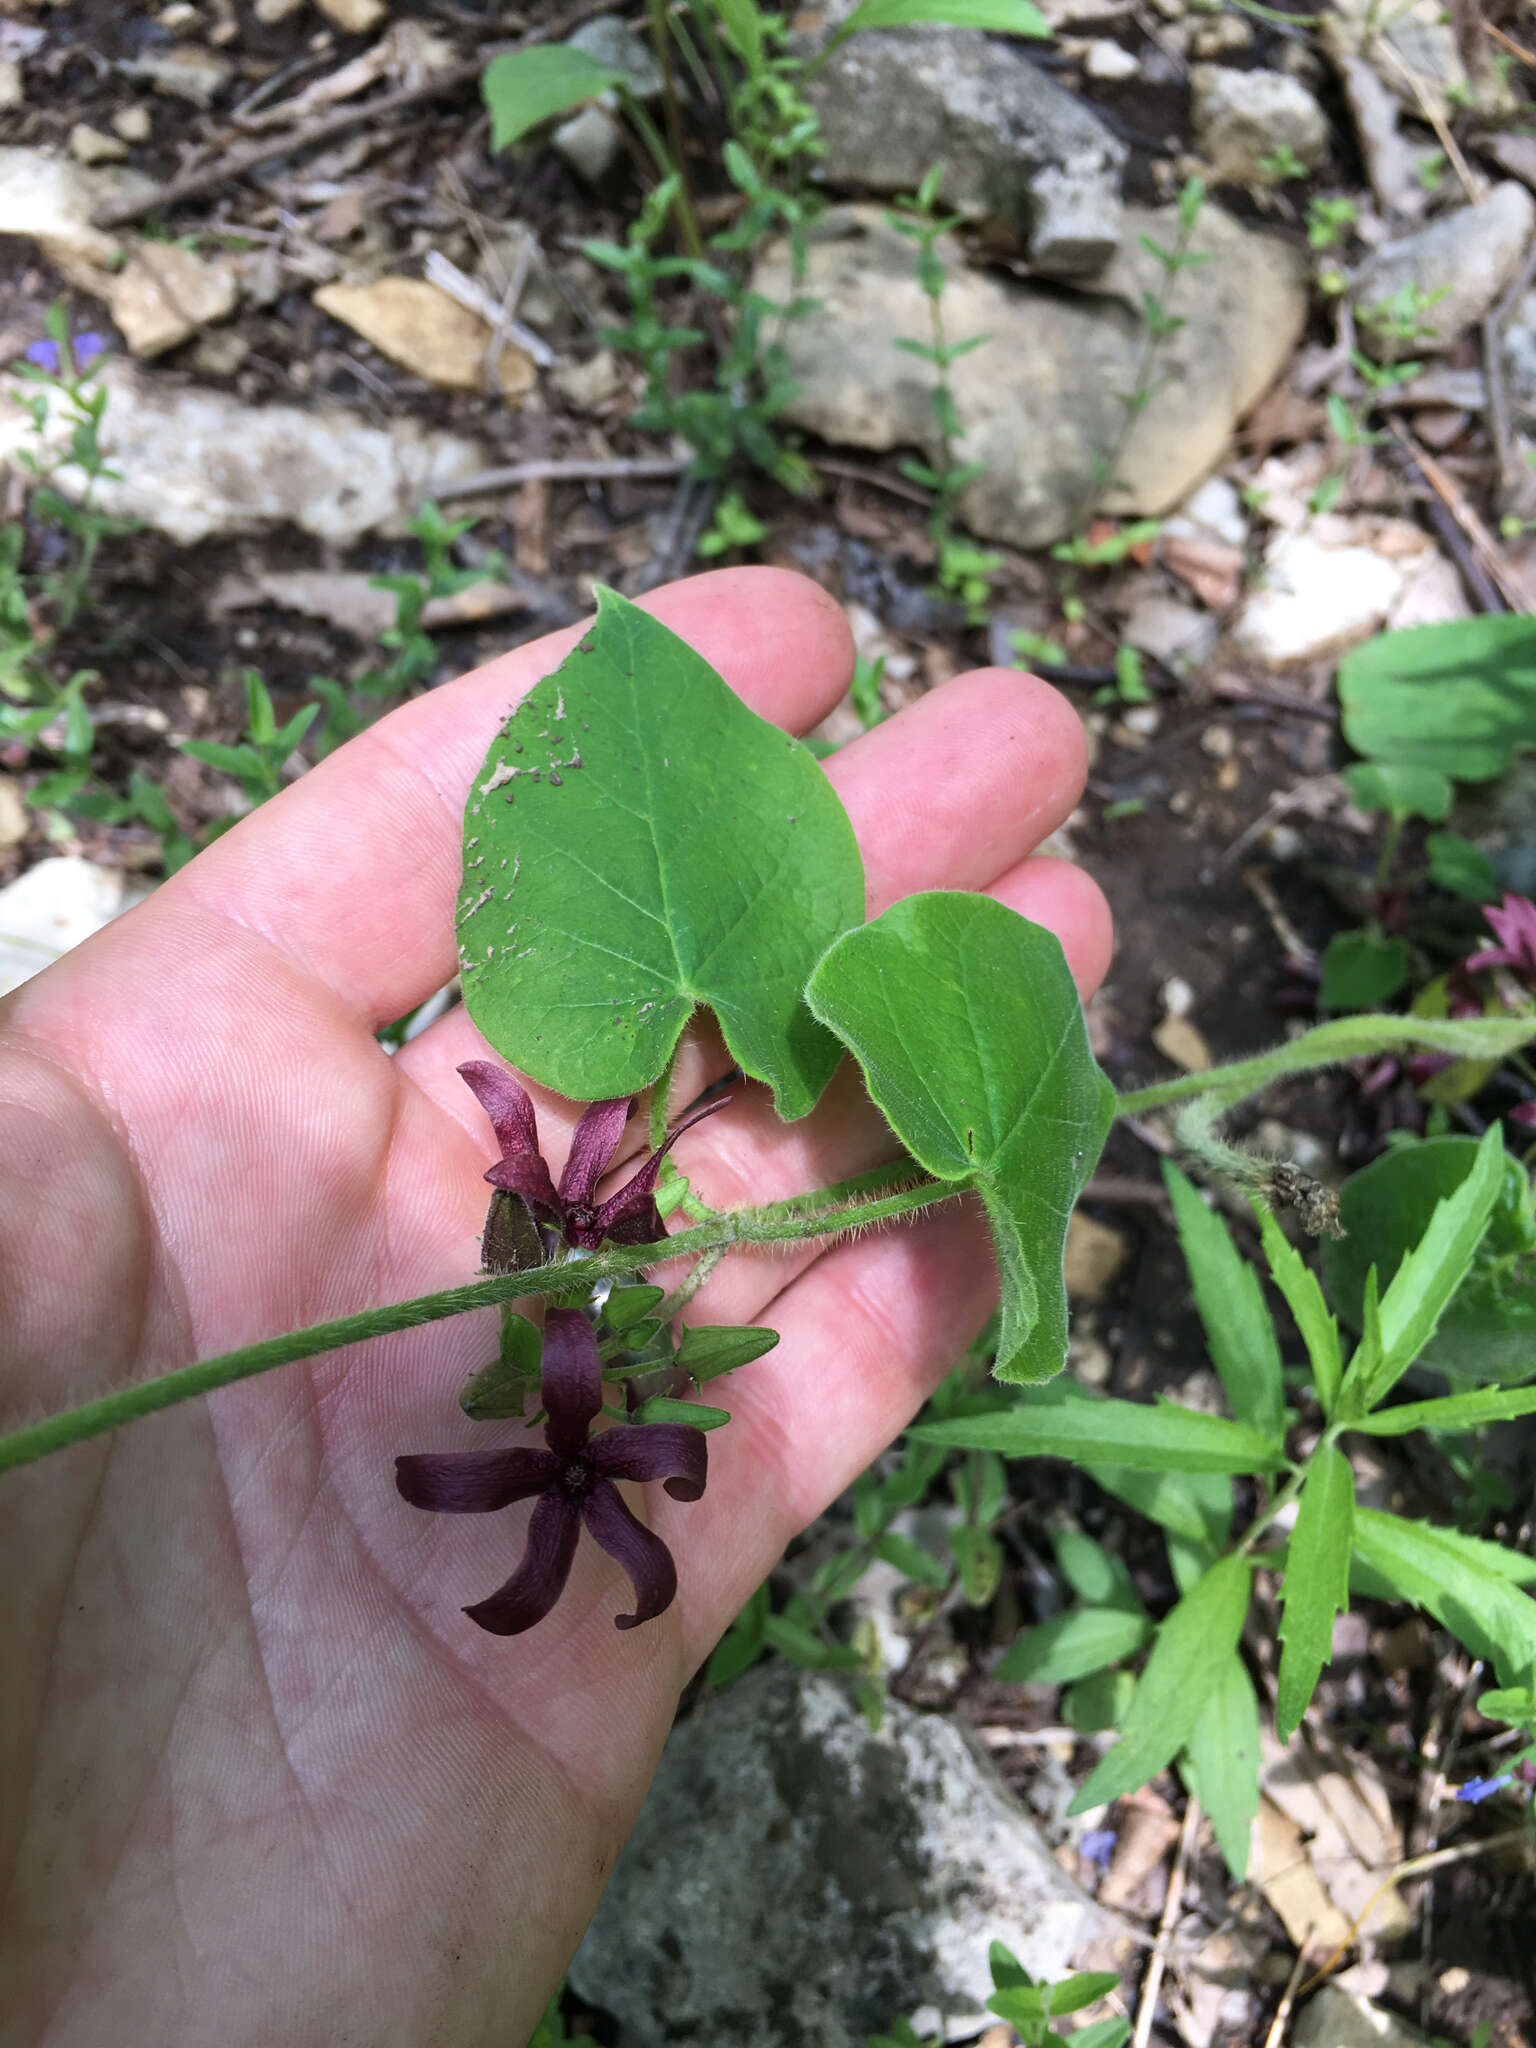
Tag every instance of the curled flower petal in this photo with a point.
(593, 1143)
(671, 1451)
(529, 1178)
(474, 1482)
(540, 1579)
(629, 1543)
(572, 1380)
(520, 1169)
(635, 1201)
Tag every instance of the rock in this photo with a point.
(51, 908)
(1242, 118)
(50, 199)
(1213, 512)
(354, 17)
(795, 1878)
(1390, 163)
(1037, 405)
(1333, 2019)
(221, 354)
(1095, 1254)
(427, 333)
(195, 462)
(613, 43)
(1110, 62)
(1171, 632)
(15, 822)
(13, 90)
(1183, 1043)
(87, 145)
(134, 124)
(590, 142)
(1315, 601)
(1466, 257)
(588, 385)
(270, 12)
(1015, 146)
(164, 294)
(1515, 154)
(182, 71)
(1221, 35)
(1519, 355)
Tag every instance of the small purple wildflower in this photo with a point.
(87, 347)
(44, 355)
(1476, 1790)
(629, 1217)
(573, 1480)
(1523, 1113)
(1097, 1847)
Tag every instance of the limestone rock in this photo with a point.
(426, 332)
(1391, 164)
(1468, 257)
(182, 71)
(164, 294)
(1110, 62)
(612, 42)
(13, 88)
(133, 124)
(51, 908)
(353, 17)
(50, 199)
(1037, 403)
(1315, 601)
(1333, 2019)
(1244, 117)
(590, 142)
(1094, 1256)
(795, 1878)
(1520, 360)
(195, 462)
(87, 145)
(1015, 146)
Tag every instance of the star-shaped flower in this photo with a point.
(573, 1480)
(629, 1217)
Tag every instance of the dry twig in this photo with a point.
(1153, 1981)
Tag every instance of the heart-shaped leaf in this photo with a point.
(966, 1021)
(639, 841)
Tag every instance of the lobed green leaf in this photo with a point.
(638, 841)
(968, 1026)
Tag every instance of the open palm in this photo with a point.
(260, 1780)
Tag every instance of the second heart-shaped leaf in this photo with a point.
(967, 1023)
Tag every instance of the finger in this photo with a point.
(961, 785)
(351, 874)
(864, 1338)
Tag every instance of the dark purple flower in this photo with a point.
(629, 1217)
(573, 1480)
(1514, 926)
(1097, 1846)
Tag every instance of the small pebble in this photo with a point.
(1109, 61)
(134, 124)
(1178, 997)
(1218, 742)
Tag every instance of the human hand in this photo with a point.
(261, 1780)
